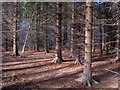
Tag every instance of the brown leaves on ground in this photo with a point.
(35, 71)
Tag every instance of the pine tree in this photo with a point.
(87, 72)
(15, 47)
(58, 58)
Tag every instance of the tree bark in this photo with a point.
(6, 44)
(46, 34)
(101, 49)
(87, 72)
(93, 42)
(72, 33)
(103, 37)
(118, 35)
(46, 41)
(15, 47)
(58, 58)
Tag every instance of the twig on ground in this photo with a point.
(112, 71)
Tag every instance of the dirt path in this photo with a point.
(36, 71)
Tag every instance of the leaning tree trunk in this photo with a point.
(58, 58)
(25, 42)
(27, 34)
(15, 48)
(87, 73)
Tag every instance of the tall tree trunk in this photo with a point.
(103, 37)
(101, 49)
(72, 32)
(36, 29)
(46, 33)
(15, 48)
(58, 58)
(46, 40)
(118, 35)
(87, 72)
(93, 42)
(107, 43)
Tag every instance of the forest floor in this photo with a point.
(35, 70)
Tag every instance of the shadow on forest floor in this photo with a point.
(65, 79)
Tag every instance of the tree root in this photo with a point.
(116, 58)
(86, 82)
(71, 55)
(16, 55)
(78, 62)
(57, 60)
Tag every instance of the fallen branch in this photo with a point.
(112, 71)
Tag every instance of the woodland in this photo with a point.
(60, 45)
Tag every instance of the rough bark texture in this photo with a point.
(46, 37)
(77, 36)
(118, 35)
(46, 40)
(72, 33)
(6, 44)
(93, 42)
(58, 58)
(103, 38)
(15, 48)
(87, 73)
(101, 49)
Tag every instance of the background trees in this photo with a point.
(55, 27)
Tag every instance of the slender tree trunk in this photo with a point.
(101, 49)
(103, 37)
(26, 38)
(15, 48)
(46, 34)
(46, 40)
(107, 44)
(118, 35)
(58, 58)
(87, 72)
(118, 45)
(93, 38)
(72, 32)
(6, 45)
(25, 42)
(93, 42)
(36, 29)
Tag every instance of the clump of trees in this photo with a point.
(81, 27)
